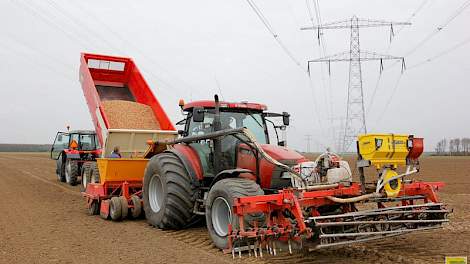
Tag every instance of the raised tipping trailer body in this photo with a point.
(125, 114)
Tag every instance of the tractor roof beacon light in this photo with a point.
(181, 103)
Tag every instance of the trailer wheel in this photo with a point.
(86, 176)
(219, 206)
(115, 208)
(124, 207)
(71, 171)
(169, 193)
(136, 209)
(94, 208)
(104, 209)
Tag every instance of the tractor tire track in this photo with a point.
(45, 221)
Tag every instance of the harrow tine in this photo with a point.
(290, 246)
(255, 249)
(249, 248)
(382, 222)
(260, 250)
(377, 233)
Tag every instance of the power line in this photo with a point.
(440, 54)
(322, 52)
(439, 29)
(413, 15)
(138, 49)
(72, 37)
(395, 88)
(276, 37)
(34, 12)
(377, 84)
(37, 63)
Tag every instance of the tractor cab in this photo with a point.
(201, 119)
(71, 150)
(78, 141)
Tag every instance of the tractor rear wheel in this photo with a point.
(71, 171)
(169, 193)
(60, 171)
(219, 206)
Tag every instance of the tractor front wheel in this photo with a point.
(168, 193)
(219, 206)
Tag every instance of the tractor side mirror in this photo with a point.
(198, 114)
(285, 118)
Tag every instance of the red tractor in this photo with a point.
(252, 193)
(72, 150)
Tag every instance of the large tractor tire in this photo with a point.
(219, 206)
(71, 171)
(86, 176)
(169, 193)
(60, 170)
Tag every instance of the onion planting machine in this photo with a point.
(320, 211)
(254, 195)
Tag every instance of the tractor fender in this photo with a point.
(186, 164)
(72, 154)
(233, 173)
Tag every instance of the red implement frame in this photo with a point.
(102, 192)
(294, 201)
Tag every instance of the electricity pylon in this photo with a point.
(355, 122)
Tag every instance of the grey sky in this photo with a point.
(182, 47)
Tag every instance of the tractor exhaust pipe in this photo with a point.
(217, 141)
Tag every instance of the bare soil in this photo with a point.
(45, 221)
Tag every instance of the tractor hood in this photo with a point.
(281, 154)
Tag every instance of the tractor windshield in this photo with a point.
(251, 120)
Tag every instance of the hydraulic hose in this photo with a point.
(355, 199)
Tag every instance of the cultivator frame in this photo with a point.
(286, 219)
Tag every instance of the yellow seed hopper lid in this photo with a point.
(383, 149)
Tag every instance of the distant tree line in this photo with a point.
(25, 147)
(453, 147)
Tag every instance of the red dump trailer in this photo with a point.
(126, 115)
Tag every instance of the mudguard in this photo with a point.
(232, 173)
